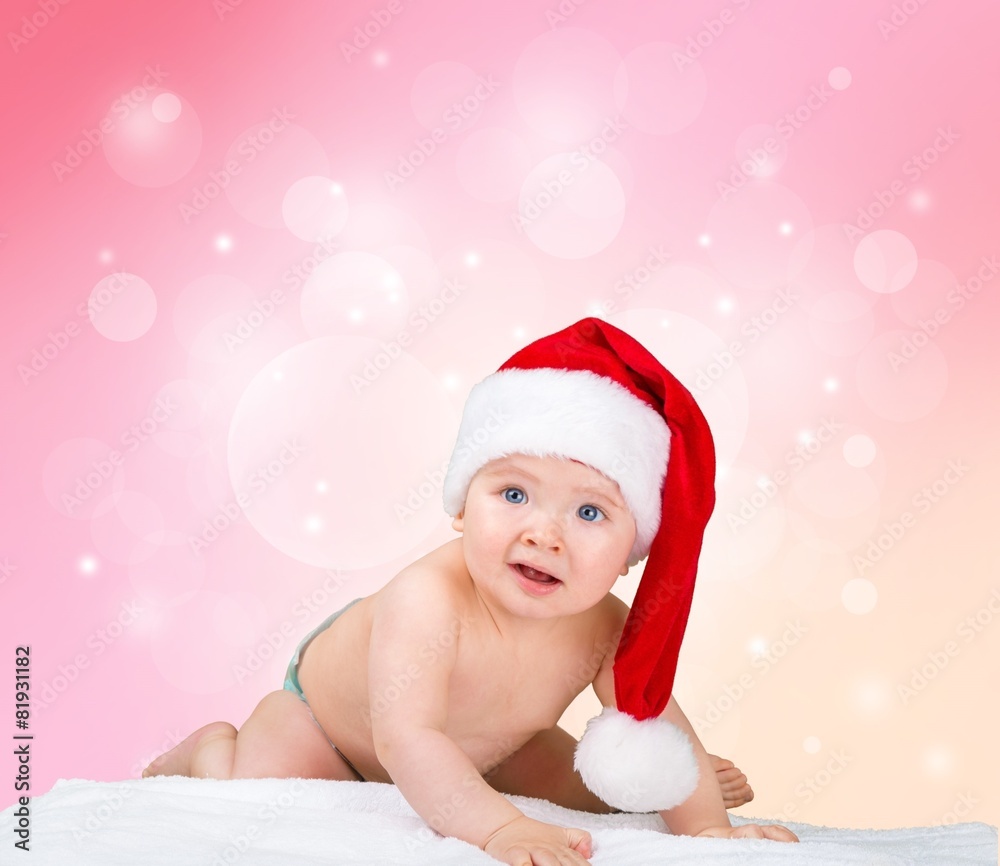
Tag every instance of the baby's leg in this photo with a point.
(543, 768)
(177, 762)
(280, 740)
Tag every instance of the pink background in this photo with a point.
(206, 370)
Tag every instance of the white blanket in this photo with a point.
(273, 822)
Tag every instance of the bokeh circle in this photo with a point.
(336, 450)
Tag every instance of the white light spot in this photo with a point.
(763, 482)
(664, 323)
(105, 256)
(122, 307)
(785, 228)
(472, 260)
(839, 78)
(88, 565)
(321, 487)
(859, 596)
(812, 745)
(356, 315)
(920, 200)
(758, 646)
(380, 58)
(336, 189)
(805, 437)
(223, 243)
(885, 261)
(831, 384)
(938, 761)
(859, 450)
(166, 108)
(872, 697)
(151, 622)
(277, 376)
(314, 524)
(450, 382)
(724, 305)
(704, 240)
(519, 333)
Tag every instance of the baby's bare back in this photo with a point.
(501, 692)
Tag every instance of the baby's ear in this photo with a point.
(458, 523)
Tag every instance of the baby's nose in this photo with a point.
(545, 532)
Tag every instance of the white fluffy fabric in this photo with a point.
(566, 413)
(636, 766)
(171, 821)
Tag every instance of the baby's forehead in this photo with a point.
(549, 467)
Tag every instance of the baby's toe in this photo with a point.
(153, 767)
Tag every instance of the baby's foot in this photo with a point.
(177, 762)
(732, 782)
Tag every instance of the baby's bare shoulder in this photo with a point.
(428, 594)
(611, 615)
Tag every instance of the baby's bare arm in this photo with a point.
(437, 778)
(443, 786)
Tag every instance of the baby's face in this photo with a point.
(560, 516)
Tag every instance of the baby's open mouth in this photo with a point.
(535, 575)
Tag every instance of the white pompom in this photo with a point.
(636, 766)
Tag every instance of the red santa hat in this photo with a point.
(594, 394)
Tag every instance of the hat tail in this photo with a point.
(636, 766)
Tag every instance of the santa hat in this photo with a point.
(592, 393)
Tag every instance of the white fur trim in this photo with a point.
(568, 413)
(636, 766)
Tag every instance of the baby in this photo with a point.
(449, 682)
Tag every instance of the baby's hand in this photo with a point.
(525, 842)
(752, 831)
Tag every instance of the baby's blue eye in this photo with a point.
(513, 490)
(599, 515)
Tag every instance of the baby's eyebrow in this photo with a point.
(586, 488)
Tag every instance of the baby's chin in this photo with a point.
(560, 604)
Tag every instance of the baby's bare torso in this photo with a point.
(502, 692)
